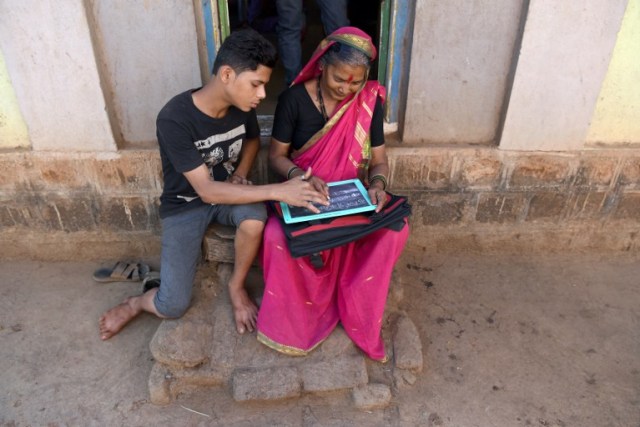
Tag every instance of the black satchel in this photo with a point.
(312, 237)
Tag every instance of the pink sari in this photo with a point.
(303, 304)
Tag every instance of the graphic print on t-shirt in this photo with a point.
(234, 154)
(220, 152)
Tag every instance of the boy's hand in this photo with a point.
(301, 191)
(237, 179)
(319, 185)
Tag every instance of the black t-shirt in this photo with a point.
(189, 138)
(297, 119)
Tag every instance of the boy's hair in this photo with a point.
(245, 50)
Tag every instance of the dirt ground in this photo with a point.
(508, 340)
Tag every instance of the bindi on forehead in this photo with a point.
(350, 79)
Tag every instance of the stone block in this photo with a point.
(540, 171)
(17, 172)
(546, 207)
(181, 344)
(586, 205)
(69, 214)
(265, 383)
(159, 385)
(396, 291)
(62, 173)
(336, 345)
(128, 172)
(335, 374)
(6, 220)
(21, 215)
(126, 213)
(371, 396)
(50, 217)
(407, 346)
(422, 172)
(403, 377)
(595, 172)
(229, 349)
(500, 208)
(630, 173)
(218, 244)
(480, 172)
(628, 207)
(202, 376)
(442, 208)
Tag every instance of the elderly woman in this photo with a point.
(330, 120)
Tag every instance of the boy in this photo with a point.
(209, 138)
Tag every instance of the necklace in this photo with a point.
(321, 102)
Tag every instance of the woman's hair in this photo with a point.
(345, 54)
(245, 50)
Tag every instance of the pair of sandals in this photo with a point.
(129, 272)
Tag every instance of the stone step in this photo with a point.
(202, 349)
(217, 244)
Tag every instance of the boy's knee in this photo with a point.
(252, 226)
(173, 309)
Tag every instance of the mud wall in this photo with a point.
(106, 207)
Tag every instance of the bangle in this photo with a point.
(291, 170)
(380, 178)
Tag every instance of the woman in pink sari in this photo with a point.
(330, 120)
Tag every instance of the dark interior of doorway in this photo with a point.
(363, 14)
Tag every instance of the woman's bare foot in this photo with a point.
(115, 319)
(245, 311)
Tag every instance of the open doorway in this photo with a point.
(262, 16)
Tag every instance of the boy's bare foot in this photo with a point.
(245, 311)
(115, 319)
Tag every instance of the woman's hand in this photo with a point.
(378, 197)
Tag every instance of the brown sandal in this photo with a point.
(122, 272)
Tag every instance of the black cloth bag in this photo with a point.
(311, 237)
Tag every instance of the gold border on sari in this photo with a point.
(354, 162)
(357, 42)
(285, 349)
(360, 134)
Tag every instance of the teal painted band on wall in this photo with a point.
(383, 48)
(223, 13)
(399, 55)
(209, 31)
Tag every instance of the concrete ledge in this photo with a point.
(32, 244)
(619, 236)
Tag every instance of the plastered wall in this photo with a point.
(52, 67)
(566, 48)
(149, 54)
(460, 61)
(538, 75)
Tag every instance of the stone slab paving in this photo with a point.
(203, 349)
(371, 396)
